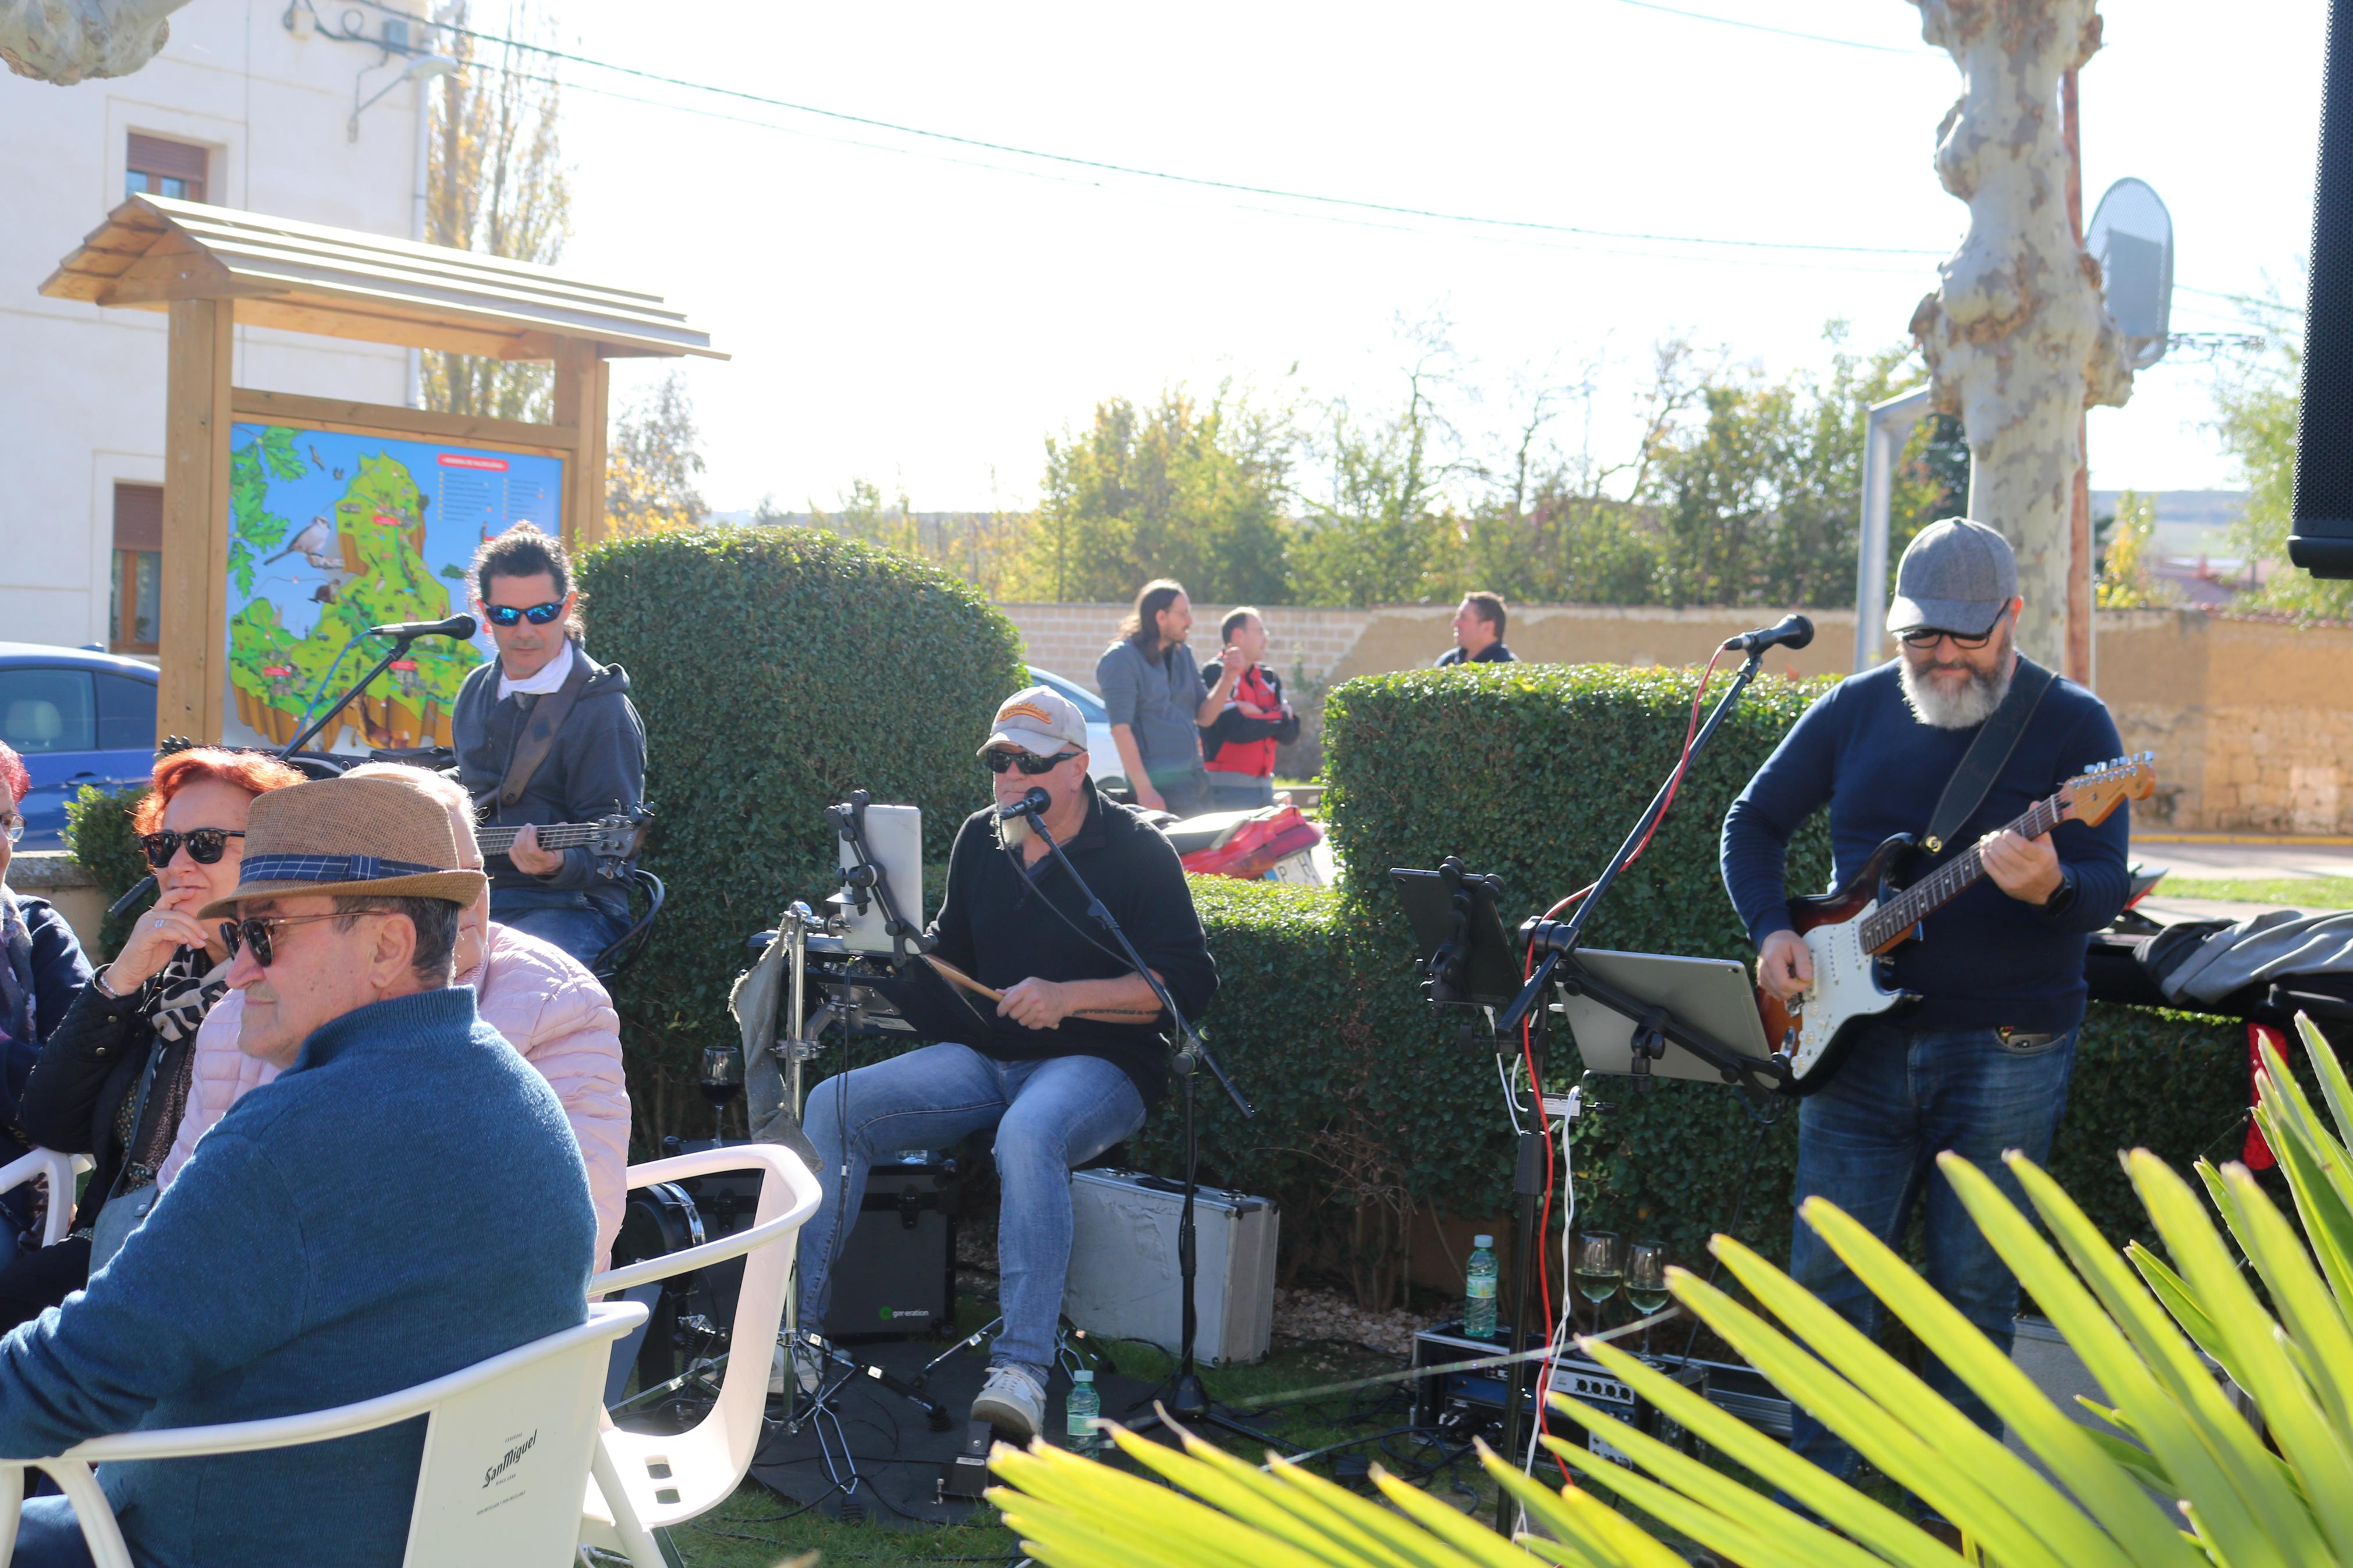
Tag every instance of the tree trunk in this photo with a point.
(2018, 339)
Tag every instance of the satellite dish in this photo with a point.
(2131, 234)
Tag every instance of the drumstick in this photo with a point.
(963, 982)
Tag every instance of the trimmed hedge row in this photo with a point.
(776, 671)
(99, 836)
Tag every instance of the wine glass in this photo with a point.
(722, 1081)
(1646, 1281)
(1598, 1270)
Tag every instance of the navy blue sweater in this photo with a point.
(1985, 960)
(405, 1201)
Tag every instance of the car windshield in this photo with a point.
(1090, 706)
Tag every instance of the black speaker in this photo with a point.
(896, 1276)
(2321, 538)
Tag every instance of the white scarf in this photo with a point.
(550, 676)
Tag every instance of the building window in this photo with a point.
(137, 613)
(155, 167)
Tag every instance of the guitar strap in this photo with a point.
(546, 716)
(1986, 755)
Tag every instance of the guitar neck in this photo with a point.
(1948, 882)
(552, 836)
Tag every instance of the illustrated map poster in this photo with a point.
(331, 533)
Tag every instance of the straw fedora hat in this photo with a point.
(370, 836)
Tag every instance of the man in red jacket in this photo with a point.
(1238, 749)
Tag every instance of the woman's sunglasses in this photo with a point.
(205, 845)
(538, 614)
(255, 930)
(1000, 761)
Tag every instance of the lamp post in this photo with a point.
(1888, 425)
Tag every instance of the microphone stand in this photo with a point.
(400, 648)
(1187, 1400)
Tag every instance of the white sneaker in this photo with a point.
(1013, 1402)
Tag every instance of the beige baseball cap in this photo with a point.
(1040, 720)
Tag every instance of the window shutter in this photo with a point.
(154, 155)
(139, 517)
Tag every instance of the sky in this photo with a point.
(923, 313)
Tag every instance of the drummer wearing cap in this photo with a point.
(1980, 1065)
(404, 1201)
(1062, 1068)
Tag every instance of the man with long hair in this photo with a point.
(1155, 693)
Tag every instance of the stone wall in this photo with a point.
(2251, 720)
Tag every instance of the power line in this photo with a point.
(1782, 32)
(1200, 182)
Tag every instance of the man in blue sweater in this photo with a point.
(404, 1201)
(1981, 1064)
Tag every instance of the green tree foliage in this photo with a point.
(1381, 528)
(2128, 554)
(496, 186)
(984, 548)
(1176, 490)
(655, 456)
(2255, 407)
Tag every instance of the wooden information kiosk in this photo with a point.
(395, 495)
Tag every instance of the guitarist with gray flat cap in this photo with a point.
(1958, 736)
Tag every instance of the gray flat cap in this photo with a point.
(1956, 576)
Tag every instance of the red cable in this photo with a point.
(1528, 1056)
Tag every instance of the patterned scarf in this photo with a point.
(180, 994)
(178, 997)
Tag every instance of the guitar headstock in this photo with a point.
(620, 836)
(2090, 796)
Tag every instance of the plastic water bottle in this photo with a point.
(1079, 1413)
(1479, 1291)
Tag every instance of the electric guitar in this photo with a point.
(612, 839)
(1850, 931)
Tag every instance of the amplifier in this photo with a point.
(896, 1275)
(1739, 1390)
(1124, 1281)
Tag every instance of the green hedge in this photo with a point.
(100, 837)
(776, 671)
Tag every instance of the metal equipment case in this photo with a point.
(1124, 1282)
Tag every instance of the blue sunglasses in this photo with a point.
(538, 614)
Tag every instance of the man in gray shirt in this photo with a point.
(1153, 689)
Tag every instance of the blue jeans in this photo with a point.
(580, 928)
(1868, 1142)
(47, 1534)
(1049, 1115)
(1241, 791)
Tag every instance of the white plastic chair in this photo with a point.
(648, 1481)
(61, 1169)
(525, 1419)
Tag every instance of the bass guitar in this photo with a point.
(1852, 932)
(613, 840)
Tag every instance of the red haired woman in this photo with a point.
(113, 1078)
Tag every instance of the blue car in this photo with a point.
(77, 717)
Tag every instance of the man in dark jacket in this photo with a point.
(1478, 633)
(589, 764)
(1062, 1066)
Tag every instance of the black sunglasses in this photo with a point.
(1926, 637)
(538, 614)
(205, 845)
(234, 934)
(1000, 761)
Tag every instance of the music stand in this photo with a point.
(1715, 996)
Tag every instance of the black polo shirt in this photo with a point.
(1002, 924)
(1493, 653)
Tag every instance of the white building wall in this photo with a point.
(82, 388)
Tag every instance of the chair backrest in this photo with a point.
(61, 1168)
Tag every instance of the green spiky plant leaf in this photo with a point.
(2224, 1440)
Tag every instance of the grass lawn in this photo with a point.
(751, 1532)
(2293, 892)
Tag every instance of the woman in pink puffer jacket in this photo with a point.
(550, 1009)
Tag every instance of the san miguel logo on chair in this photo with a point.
(1850, 931)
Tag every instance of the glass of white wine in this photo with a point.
(1600, 1267)
(1646, 1281)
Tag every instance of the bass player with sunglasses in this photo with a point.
(1959, 736)
(545, 734)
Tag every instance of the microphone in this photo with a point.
(1033, 803)
(1794, 632)
(458, 627)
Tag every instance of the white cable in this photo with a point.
(1558, 1342)
(1511, 1100)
